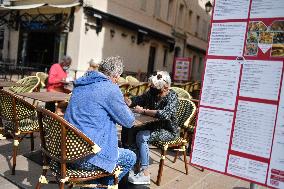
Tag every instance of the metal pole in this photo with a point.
(253, 186)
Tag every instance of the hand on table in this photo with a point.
(138, 109)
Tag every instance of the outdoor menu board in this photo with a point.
(240, 123)
(182, 68)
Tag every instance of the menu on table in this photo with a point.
(240, 123)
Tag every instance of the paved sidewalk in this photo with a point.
(28, 172)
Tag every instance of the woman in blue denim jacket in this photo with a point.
(95, 107)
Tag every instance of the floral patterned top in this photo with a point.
(166, 129)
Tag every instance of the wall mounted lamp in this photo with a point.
(112, 32)
(208, 6)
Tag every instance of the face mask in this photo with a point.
(65, 68)
(154, 91)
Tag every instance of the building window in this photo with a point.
(197, 25)
(165, 59)
(204, 29)
(193, 66)
(180, 15)
(143, 5)
(158, 8)
(170, 10)
(200, 65)
(189, 19)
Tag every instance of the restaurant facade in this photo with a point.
(148, 34)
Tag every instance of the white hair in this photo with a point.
(161, 80)
(111, 66)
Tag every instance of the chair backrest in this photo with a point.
(133, 91)
(60, 140)
(14, 109)
(131, 79)
(43, 77)
(142, 88)
(124, 88)
(121, 80)
(185, 112)
(30, 84)
(181, 93)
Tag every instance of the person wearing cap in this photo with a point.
(160, 102)
(95, 108)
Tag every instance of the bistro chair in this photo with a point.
(121, 80)
(186, 111)
(143, 87)
(124, 88)
(181, 93)
(30, 84)
(43, 78)
(19, 119)
(132, 80)
(63, 144)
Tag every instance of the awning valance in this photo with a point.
(20, 7)
(36, 5)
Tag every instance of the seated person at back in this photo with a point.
(57, 74)
(161, 102)
(95, 107)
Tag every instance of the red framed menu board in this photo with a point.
(240, 123)
(182, 68)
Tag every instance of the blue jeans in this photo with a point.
(126, 160)
(142, 139)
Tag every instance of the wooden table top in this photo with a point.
(46, 96)
(141, 119)
(9, 84)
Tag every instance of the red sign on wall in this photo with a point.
(240, 123)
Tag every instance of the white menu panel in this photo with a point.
(220, 83)
(233, 9)
(276, 168)
(267, 9)
(247, 168)
(227, 39)
(261, 79)
(253, 129)
(212, 138)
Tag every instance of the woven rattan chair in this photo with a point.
(186, 111)
(124, 88)
(63, 144)
(19, 119)
(131, 79)
(121, 80)
(181, 93)
(143, 87)
(30, 84)
(43, 77)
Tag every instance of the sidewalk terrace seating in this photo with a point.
(31, 84)
(186, 111)
(43, 77)
(181, 93)
(19, 119)
(63, 144)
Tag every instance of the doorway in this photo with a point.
(151, 60)
(40, 49)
